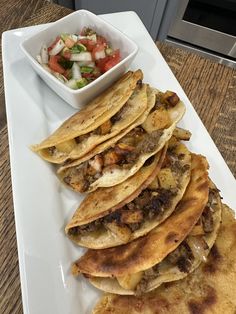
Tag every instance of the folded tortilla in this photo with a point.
(119, 158)
(113, 216)
(209, 289)
(105, 267)
(103, 118)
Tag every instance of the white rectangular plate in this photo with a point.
(42, 205)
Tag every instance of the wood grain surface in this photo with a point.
(210, 87)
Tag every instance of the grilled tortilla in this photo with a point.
(104, 117)
(113, 216)
(105, 267)
(210, 289)
(121, 157)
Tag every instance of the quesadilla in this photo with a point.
(113, 216)
(121, 157)
(209, 289)
(121, 269)
(104, 117)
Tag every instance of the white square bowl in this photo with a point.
(74, 23)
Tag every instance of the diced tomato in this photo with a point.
(113, 60)
(101, 40)
(88, 43)
(67, 54)
(97, 48)
(108, 62)
(101, 63)
(88, 76)
(54, 43)
(54, 65)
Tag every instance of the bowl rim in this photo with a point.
(100, 78)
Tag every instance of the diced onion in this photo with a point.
(100, 54)
(58, 47)
(72, 84)
(76, 74)
(60, 77)
(82, 56)
(39, 59)
(44, 54)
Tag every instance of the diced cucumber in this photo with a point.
(86, 69)
(78, 48)
(81, 83)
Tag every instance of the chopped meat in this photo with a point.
(119, 114)
(82, 138)
(131, 216)
(91, 171)
(105, 127)
(154, 184)
(51, 150)
(207, 220)
(133, 137)
(158, 203)
(113, 216)
(76, 178)
(135, 226)
(97, 163)
(83, 229)
(182, 257)
(212, 198)
(182, 134)
(111, 158)
(148, 274)
(143, 199)
(123, 149)
(170, 98)
(149, 143)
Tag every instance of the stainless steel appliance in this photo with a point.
(208, 26)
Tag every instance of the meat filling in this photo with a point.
(206, 220)
(182, 257)
(148, 205)
(123, 155)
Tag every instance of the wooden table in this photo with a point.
(210, 87)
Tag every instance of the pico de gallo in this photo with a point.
(76, 60)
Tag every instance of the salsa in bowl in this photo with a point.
(78, 59)
(122, 49)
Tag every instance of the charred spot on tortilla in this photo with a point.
(172, 236)
(200, 306)
(213, 261)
